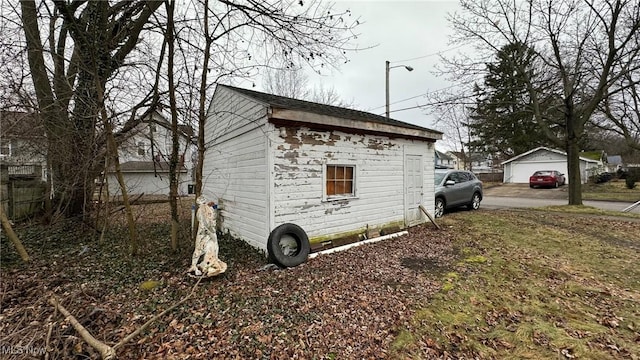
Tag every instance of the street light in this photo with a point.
(387, 67)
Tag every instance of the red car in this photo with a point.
(547, 178)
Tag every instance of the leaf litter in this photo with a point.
(367, 302)
(346, 305)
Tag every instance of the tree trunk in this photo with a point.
(202, 116)
(6, 226)
(75, 158)
(113, 151)
(175, 145)
(573, 173)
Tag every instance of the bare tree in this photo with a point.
(294, 83)
(623, 111)
(88, 42)
(452, 119)
(583, 49)
(86, 57)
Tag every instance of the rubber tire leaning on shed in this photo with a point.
(288, 245)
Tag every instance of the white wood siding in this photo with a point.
(235, 166)
(147, 183)
(299, 157)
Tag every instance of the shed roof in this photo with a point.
(281, 102)
(442, 156)
(543, 148)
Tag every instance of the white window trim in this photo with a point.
(325, 197)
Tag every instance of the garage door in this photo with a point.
(522, 170)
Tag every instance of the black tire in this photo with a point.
(439, 208)
(475, 202)
(288, 245)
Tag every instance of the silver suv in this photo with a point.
(454, 188)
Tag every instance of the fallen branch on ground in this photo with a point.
(109, 352)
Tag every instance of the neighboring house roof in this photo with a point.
(20, 124)
(147, 166)
(597, 155)
(160, 119)
(543, 148)
(442, 156)
(281, 102)
(614, 160)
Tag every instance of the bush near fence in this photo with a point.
(491, 177)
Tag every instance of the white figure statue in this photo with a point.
(206, 242)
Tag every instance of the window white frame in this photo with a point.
(325, 179)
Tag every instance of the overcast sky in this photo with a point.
(411, 33)
(405, 33)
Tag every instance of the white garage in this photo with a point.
(518, 169)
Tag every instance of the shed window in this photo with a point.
(340, 180)
(5, 149)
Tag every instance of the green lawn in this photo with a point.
(533, 285)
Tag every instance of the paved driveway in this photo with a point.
(521, 196)
(523, 190)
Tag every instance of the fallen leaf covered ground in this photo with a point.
(347, 305)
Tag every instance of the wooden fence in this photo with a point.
(22, 198)
(21, 192)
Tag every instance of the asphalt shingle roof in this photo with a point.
(322, 109)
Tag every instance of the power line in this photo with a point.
(413, 97)
(429, 55)
(427, 104)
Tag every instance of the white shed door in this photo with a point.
(413, 189)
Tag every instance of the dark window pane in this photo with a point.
(331, 172)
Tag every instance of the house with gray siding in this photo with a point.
(338, 174)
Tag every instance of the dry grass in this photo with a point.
(614, 190)
(548, 286)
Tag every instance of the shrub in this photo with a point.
(633, 175)
(630, 182)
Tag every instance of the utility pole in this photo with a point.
(386, 74)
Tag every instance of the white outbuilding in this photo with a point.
(281, 167)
